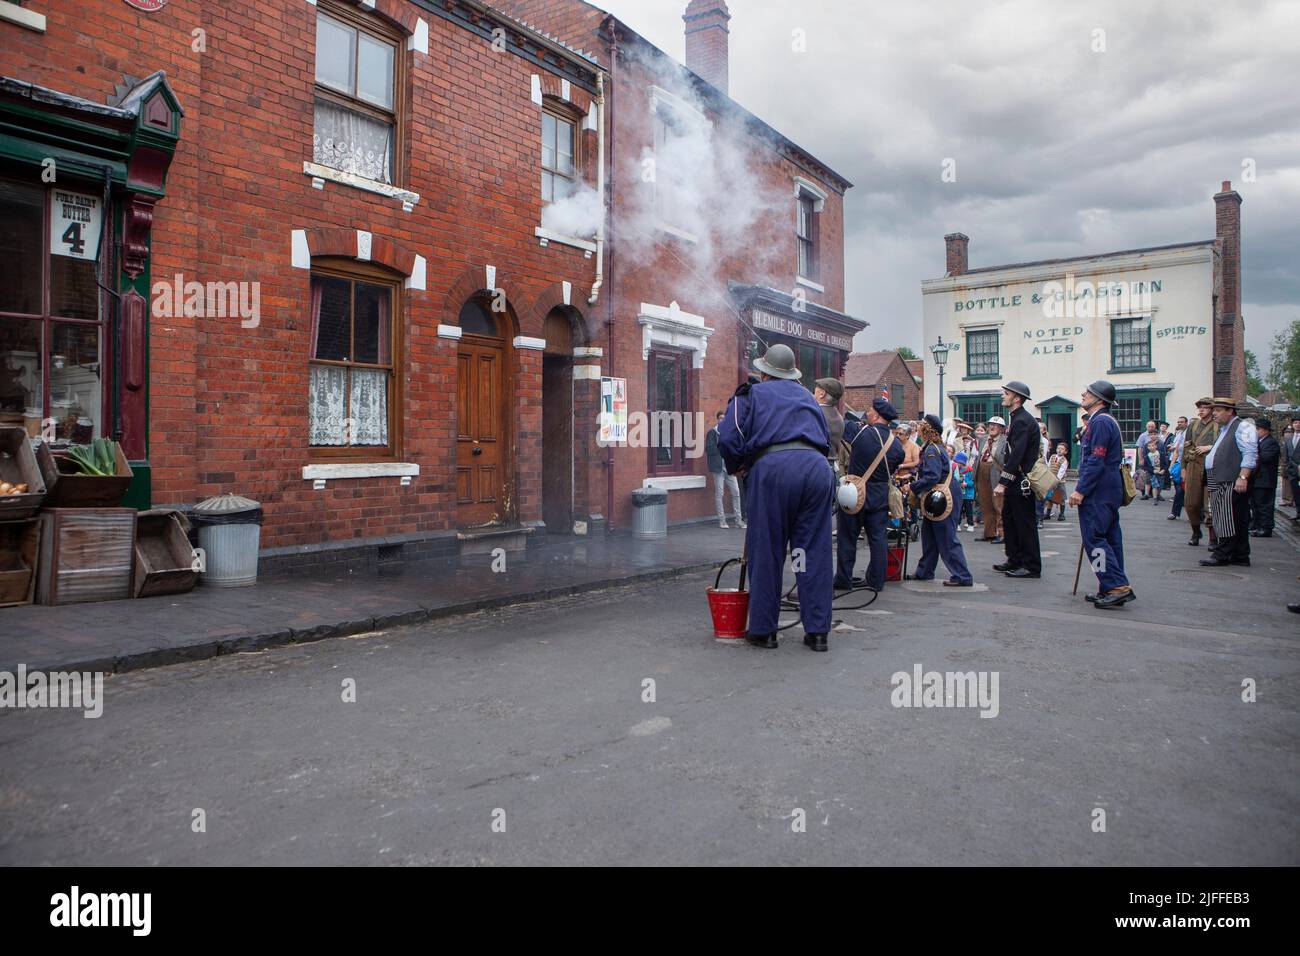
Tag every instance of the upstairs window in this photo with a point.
(356, 97)
(559, 157)
(982, 354)
(806, 237)
(1130, 345)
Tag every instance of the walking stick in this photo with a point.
(1077, 569)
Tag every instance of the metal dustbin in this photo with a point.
(230, 533)
(649, 513)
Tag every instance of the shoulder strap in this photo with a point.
(879, 455)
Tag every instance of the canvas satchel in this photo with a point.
(860, 481)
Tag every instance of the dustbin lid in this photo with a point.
(228, 504)
(227, 509)
(648, 496)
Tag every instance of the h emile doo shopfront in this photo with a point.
(820, 338)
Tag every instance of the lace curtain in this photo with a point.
(366, 404)
(352, 142)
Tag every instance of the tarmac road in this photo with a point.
(533, 718)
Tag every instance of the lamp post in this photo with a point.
(940, 353)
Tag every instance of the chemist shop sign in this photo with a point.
(75, 223)
(801, 329)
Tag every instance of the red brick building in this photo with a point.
(869, 375)
(337, 286)
(725, 238)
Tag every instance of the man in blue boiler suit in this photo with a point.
(776, 434)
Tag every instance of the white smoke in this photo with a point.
(577, 214)
(713, 175)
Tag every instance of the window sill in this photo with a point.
(675, 482)
(549, 235)
(24, 18)
(360, 469)
(318, 173)
(982, 378)
(678, 233)
(815, 286)
(1126, 371)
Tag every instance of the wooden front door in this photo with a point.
(482, 453)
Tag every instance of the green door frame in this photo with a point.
(1060, 405)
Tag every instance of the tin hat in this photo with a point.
(778, 363)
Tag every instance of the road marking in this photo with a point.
(653, 725)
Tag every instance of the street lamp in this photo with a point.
(940, 353)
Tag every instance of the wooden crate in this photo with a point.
(18, 466)
(87, 554)
(65, 487)
(19, 546)
(164, 558)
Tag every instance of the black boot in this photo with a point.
(816, 642)
(1196, 537)
(766, 641)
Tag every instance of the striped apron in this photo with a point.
(1221, 508)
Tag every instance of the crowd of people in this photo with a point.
(871, 472)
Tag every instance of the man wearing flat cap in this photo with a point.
(828, 392)
(1228, 467)
(867, 441)
(1199, 439)
(776, 433)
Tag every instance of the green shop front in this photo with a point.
(78, 184)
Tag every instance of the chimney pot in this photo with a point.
(1227, 185)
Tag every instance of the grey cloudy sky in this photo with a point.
(1059, 150)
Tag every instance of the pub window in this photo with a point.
(559, 157)
(669, 381)
(1130, 345)
(356, 97)
(806, 237)
(352, 391)
(52, 341)
(1133, 411)
(982, 354)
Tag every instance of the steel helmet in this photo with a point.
(778, 362)
(936, 505)
(1105, 391)
(997, 420)
(847, 496)
(1019, 388)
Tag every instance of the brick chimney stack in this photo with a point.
(706, 40)
(955, 244)
(1230, 329)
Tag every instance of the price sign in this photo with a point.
(75, 221)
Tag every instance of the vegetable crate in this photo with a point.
(18, 468)
(66, 487)
(87, 554)
(19, 544)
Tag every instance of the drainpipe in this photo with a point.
(600, 187)
(609, 267)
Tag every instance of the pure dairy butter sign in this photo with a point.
(75, 221)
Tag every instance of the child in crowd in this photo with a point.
(967, 478)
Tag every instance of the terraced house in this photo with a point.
(375, 262)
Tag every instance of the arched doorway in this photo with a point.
(557, 423)
(483, 395)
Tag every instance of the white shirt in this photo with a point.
(1247, 442)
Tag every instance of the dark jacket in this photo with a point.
(1023, 443)
(1265, 473)
(716, 464)
(1291, 466)
(1100, 455)
(933, 470)
(867, 441)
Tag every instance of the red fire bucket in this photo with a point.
(895, 562)
(729, 607)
